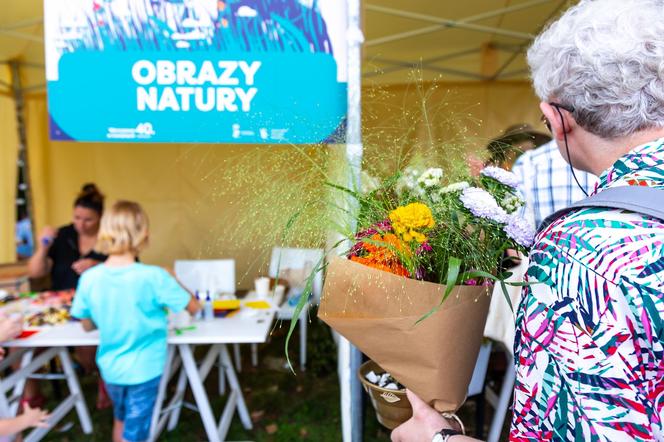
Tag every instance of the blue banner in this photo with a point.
(236, 71)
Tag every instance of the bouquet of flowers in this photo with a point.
(421, 228)
(413, 290)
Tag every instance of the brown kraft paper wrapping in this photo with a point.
(377, 312)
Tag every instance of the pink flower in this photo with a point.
(424, 248)
(383, 226)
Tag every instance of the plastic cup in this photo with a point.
(262, 286)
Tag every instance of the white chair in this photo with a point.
(295, 265)
(202, 275)
(479, 373)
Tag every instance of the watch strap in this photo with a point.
(446, 433)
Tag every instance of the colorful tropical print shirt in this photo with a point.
(589, 349)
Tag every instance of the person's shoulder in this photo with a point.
(150, 271)
(518, 164)
(523, 159)
(93, 273)
(67, 230)
(545, 152)
(65, 234)
(540, 153)
(588, 234)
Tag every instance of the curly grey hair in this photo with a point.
(606, 59)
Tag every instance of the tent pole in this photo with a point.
(22, 161)
(350, 358)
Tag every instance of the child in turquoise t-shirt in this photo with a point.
(126, 301)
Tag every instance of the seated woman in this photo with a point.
(64, 254)
(69, 251)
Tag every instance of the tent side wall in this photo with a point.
(8, 170)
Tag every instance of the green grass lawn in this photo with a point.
(284, 406)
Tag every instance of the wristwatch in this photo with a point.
(445, 434)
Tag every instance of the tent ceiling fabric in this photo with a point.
(450, 40)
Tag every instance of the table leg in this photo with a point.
(235, 387)
(178, 398)
(75, 390)
(208, 362)
(222, 377)
(238, 357)
(304, 317)
(156, 413)
(198, 390)
(20, 385)
(5, 409)
(254, 355)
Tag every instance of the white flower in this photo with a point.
(431, 177)
(483, 205)
(369, 183)
(455, 187)
(520, 231)
(408, 181)
(501, 175)
(511, 203)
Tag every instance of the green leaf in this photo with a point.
(506, 295)
(344, 189)
(453, 269)
(304, 299)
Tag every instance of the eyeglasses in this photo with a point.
(558, 106)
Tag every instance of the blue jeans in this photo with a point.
(133, 405)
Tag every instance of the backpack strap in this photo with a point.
(639, 199)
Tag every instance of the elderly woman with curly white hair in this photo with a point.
(589, 349)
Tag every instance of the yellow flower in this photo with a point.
(409, 221)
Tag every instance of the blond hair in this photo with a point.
(124, 228)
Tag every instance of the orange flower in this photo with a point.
(384, 257)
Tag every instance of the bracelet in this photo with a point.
(445, 434)
(455, 418)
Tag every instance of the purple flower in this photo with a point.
(420, 272)
(501, 175)
(485, 282)
(520, 231)
(425, 247)
(483, 205)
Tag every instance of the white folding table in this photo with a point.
(248, 326)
